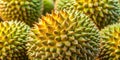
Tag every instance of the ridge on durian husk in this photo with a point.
(110, 44)
(102, 12)
(13, 37)
(64, 36)
(22, 10)
(61, 4)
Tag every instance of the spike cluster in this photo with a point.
(13, 37)
(64, 4)
(110, 45)
(22, 10)
(64, 36)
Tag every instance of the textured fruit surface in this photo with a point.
(110, 45)
(60, 4)
(13, 37)
(64, 36)
(48, 6)
(102, 12)
(23, 10)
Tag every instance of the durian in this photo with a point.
(48, 5)
(64, 36)
(22, 10)
(110, 44)
(102, 12)
(13, 37)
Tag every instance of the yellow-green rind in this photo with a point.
(63, 4)
(22, 10)
(64, 36)
(110, 44)
(102, 12)
(13, 37)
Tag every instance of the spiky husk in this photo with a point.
(22, 10)
(48, 6)
(61, 4)
(64, 36)
(102, 12)
(13, 37)
(110, 45)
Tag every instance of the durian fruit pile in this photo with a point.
(59, 30)
(64, 36)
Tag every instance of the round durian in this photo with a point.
(13, 38)
(110, 44)
(22, 10)
(48, 6)
(102, 12)
(64, 36)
